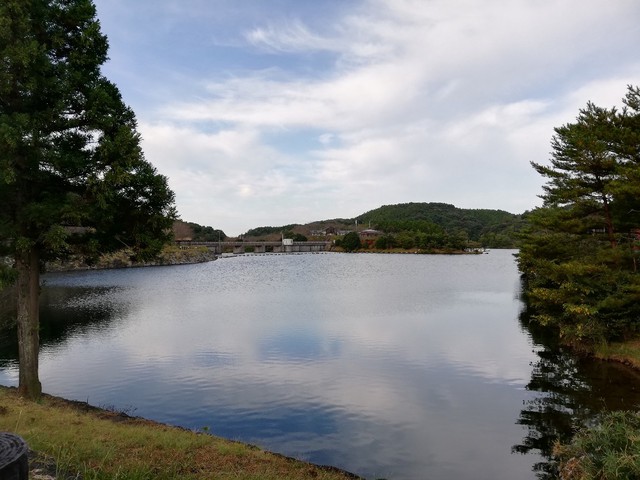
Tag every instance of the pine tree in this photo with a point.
(578, 255)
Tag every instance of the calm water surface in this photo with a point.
(394, 366)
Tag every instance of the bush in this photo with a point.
(608, 451)
(384, 242)
(406, 240)
(351, 242)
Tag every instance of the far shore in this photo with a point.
(170, 255)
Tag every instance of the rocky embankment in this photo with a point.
(171, 255)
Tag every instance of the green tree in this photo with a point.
(351, 242)
(457, 240)
(406, 240)
(70, 155)
(577, 256)
(584, 169)
(496, 240)
(299, 237)
(296, 237)
(384, 242)
(206, 234)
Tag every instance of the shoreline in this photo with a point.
(67, 438)
(170, 255)
(626, 353)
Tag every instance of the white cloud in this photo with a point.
(326, 138)
(383, 102)
(293, 37)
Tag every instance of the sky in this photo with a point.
(272, 112)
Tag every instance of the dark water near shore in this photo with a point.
(390, 366)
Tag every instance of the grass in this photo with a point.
(80, 441)
(625, 352)
(608, 451)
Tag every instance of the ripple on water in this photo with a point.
(396, 366)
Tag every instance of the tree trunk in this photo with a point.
(28, 317)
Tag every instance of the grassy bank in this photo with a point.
(625, 352)
(608, 451)
(75, 440)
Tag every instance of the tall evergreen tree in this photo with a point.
(70, 154)
(579, 255)
(583, 168)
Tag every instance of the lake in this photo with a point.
(389, 366)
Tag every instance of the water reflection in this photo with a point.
(392, 366)
(570, 392)
(65, 312)
(69, 311)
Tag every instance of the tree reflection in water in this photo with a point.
(571, 390)
(64, 312)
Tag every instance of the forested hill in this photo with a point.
(475, 222)
(440, 222)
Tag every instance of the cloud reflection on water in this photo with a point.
(384, 365)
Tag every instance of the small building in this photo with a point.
(370, 233)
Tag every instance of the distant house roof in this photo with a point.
(370, 233)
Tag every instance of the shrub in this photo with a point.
(351, 242)
(608, 451)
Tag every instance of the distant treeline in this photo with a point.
(197, 233)
(264, 231)
(446, 223)
(420, 225)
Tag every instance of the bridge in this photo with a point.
(262, 247)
